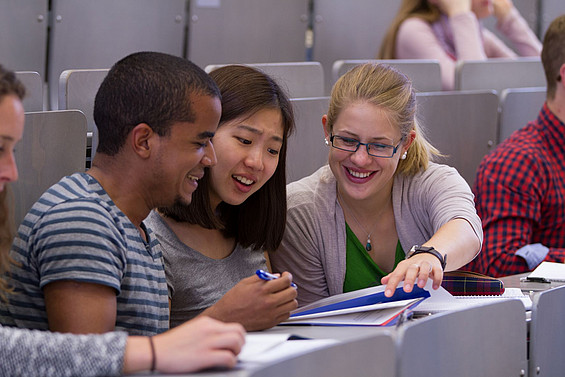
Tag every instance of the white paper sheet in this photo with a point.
(550, 270)
(265, 348)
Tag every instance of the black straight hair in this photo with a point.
(259, 222)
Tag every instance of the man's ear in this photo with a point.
(141, 139)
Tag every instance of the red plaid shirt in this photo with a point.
(520, 197)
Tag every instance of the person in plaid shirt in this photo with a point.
(520, 186)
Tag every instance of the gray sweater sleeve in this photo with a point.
(39, 353)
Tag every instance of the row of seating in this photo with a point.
(306, 79)
(464, 125)
(55, 35)
(496, 74)
(495, 339)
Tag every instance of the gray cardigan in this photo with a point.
(313, 246)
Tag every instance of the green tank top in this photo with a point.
(361, 271)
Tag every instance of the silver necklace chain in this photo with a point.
(368, 246)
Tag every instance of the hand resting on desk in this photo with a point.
(197, 344)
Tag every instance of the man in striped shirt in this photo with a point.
(84, 262)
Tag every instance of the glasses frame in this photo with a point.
(394, 148)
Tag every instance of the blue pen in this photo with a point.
(267, 276)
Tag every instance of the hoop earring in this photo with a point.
(403, 157)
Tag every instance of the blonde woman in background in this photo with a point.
(450, 30)
(381, 212)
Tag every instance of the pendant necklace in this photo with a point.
(368, 246)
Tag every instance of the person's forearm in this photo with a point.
(458, 241)
(137, 355)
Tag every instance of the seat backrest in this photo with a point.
(246, 31)
(77, 90)
(89, 34)
(23, 35)
(462, 125)
(52, 147)
(518, 106)
(547, 333)
(350, 357)
(486, 340)
(549, 9)
(424, 73)
(306, 151)
(299, 79)
(351, 29)
(33, 101)
(499, 74)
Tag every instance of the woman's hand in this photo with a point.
(415, 270)
(502, 8)
(197, 344)
(256, 304)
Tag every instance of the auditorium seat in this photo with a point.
(77, 90)
(518, 106)
(299, 79)
(246, 31)
(463, 125)
(33, 100)
(23, 35)
(425, 74)
(499, 74)
(547, 333)
(52, 147)
(88, 34)
(306, 150)
(487, 340)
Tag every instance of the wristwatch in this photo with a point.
(416, 249)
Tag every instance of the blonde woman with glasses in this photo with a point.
(381, 211)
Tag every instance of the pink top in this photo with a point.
(462, 38)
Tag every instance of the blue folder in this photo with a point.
(371, 299)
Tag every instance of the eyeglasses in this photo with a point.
(373, 149)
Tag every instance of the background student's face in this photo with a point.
(11, 130)
(247, 150)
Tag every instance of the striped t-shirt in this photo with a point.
(76, 232)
